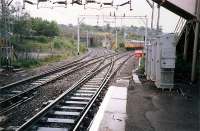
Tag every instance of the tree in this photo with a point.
(44, 27)
(22, 26)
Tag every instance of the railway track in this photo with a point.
(19, 92)
(70, 109)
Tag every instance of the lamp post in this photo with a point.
(116, 32)
(158, 19)
(87, 39)
(78, 34)
(78, 37)
(152, 13)
(146, 30)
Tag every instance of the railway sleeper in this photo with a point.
(88, 88)
(76, 102)
(57, 120)
(91, 86)
(85, 91)
(63, 114)
(83, 94)
(51, 129)
(62, 107)
(41, 126)
(80, 98)
(70, 110)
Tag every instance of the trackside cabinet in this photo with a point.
(165, 61)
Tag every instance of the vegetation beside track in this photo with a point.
(142, 64)
(58, 49)
(37, 42)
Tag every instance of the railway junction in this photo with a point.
(151, 84)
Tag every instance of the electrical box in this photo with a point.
(165, 60)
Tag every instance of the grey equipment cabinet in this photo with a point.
(165, 61)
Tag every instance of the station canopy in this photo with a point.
(183, 8)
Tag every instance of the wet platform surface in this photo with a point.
(151, 109)
(112, 113)
(140, 107)
(133, 103)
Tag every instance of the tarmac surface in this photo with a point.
(151, 109)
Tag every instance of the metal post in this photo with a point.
(152, 16)
(116, 38)
(158, 19)
(78, 36)
(87, 39)
(146, 30)
(194, 60)
(186, 43)
(116, 32)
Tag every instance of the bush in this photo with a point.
(42, 39)
(121, 45)
(27, 63)
(82, 48)
(58, 44)
(142, 64)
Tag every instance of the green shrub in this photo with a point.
(58, 44)
(142, 64)
(42, 39)
(82, 48)
(27, 63)
(121, 45)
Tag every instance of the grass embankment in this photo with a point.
(62, 49)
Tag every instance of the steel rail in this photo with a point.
(6, 104)
(50, 71)
(18, 99)
(44, 111)
(51, 105)
(109, 75)
(40, 75)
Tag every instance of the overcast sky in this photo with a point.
(69, 15)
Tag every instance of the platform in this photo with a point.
(112, 113)
(134, 105)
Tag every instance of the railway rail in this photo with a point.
(70, 109)
(19, 92)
